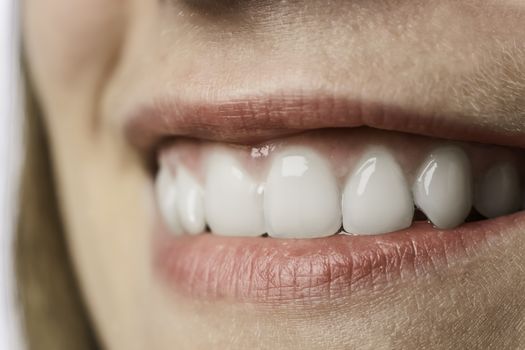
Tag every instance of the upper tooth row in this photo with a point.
(301, 197)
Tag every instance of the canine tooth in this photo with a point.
(301, 198)
(443, 188)
(167, 196)
(377, 198)
(233, 200)
(190, 204)
(499, 191)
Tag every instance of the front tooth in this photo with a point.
(301, 198)
(499, 191)
(167, 196)
(377, 198)
(190, 204)
(443, 189)
(234, 201)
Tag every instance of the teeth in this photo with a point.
(499, 191)
(166, 191)
(301, 198)
(190, 205)
(234, 201)
(376, 198)
(443, 187)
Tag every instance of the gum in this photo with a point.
(342, 148)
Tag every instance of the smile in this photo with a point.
(312, 203)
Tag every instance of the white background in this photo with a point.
(10, 155)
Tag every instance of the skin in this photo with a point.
(91, 60)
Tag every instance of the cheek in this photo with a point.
(71, 41)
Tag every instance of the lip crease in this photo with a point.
(277, 271)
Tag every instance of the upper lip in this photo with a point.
(254, 119)
(212, 266)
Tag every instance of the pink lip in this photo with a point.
(259, 118)
(276, 271)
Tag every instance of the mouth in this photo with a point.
(296, 198)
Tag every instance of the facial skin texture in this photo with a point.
(92, 60)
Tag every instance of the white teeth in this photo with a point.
(190, 204)
(377, 198)
(301, 198)
(234, 201)
(166, 192)
(499, 191)
(443, 189)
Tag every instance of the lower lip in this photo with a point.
(277, 271)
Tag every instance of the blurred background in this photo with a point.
(10, 159)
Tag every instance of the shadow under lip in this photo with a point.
(254, 119)
(279, 271)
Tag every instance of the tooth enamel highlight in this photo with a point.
(167, 196)
(190, 205)
(377, 198)
(499, 191)
(301, 198)
(234, 201)
(443, 188)
(306, 188)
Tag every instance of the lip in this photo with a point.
(310, 271)
(276, 271)
(254, 119)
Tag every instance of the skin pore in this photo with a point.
(92, 60)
